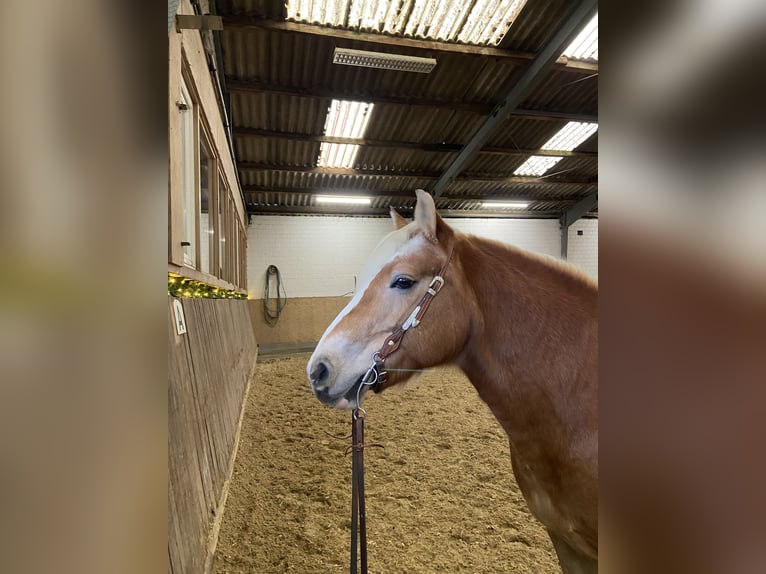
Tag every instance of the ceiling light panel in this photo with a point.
(344, 119)
(585, 45)
(347, 199)
(486, 23)
(365, 59)
(537, 165)
(570, 136)
(504, 205)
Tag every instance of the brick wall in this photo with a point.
(583, 249)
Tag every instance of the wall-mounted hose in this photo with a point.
(273, 309)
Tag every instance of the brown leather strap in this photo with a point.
(393, 341)
(358, 515)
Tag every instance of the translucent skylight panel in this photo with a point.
(585, 45)
(450, 20)
(437, 19)
(345, 119)
(537, 165)
(370, 15)
(490, 20)
(331, 12)
(337, 155)
(571, 136)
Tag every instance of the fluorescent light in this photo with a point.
(504, 204)
(345, 119)
(571, 136)
(485, 23)
(585, 45)
(397, 62)
(342, 199)
(537, 165)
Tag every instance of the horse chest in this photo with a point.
(539, 498)
(550, 506)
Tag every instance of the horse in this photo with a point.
(522, 327)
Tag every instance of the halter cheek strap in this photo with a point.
(392, 342)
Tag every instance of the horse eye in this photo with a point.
(402, 283)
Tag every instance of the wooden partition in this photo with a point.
(210, 367)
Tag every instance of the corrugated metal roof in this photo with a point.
(282, 80)
(480, 22)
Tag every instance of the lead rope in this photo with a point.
(358, 517)
(358, 514)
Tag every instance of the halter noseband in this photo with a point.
(375, 376)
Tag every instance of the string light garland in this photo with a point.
(182, 287)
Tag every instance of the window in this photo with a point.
(206, 214)
(203, 206)
(189, 240)
(223, 229)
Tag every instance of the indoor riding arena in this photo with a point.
(299, 133)
(440, 494)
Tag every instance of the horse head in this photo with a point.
(390, 291)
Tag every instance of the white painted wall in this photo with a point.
(583, 249)
(320, 256)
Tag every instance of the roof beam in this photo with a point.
(355, 211)
(572, 214)
(249, 190)
(254, 86)
(579, 209)
(430, 147)
(260, 166)
(345, 38)
(532, 75)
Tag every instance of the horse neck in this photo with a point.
(535, 329)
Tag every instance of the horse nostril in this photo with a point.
(320, 373)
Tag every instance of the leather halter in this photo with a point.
(374, 378)
(392, 342)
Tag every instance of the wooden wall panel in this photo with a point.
(209, 370)
(303, 320)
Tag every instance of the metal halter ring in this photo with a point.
(369, 379)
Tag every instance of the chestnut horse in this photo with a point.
(523, 328)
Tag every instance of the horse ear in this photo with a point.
(399, 221)
(425, 214)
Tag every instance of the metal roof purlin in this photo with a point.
(579, 17)
(254, 86)
(579, 209)
(571, 215)
(349, 38)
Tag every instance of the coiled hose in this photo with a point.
(273, 309)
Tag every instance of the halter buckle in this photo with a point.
(436, 284)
